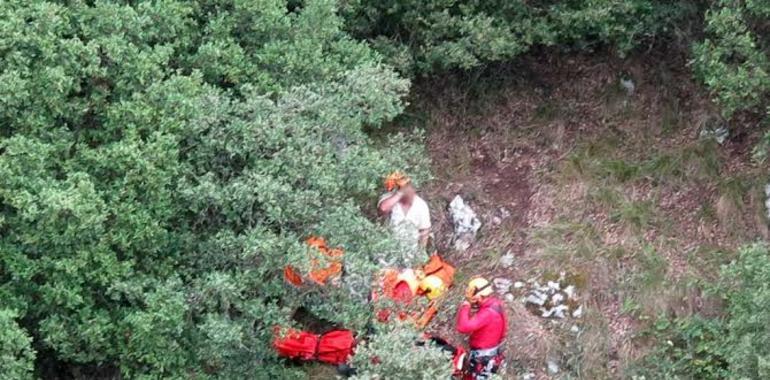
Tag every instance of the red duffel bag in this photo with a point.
(334, 347)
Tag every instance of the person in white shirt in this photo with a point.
(408, 213)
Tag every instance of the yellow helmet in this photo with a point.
(477, 288)
(432, 286)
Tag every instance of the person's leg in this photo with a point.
(482, 367)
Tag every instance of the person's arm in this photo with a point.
(467, 324)
(388, 201)
(424, 227)
(424, 235)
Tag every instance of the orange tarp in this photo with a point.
(325, 263)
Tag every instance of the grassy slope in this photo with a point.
(614, 188)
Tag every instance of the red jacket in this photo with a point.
(487, 328)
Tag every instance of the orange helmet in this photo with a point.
(396, 180)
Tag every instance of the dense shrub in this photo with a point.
(16, 354)
(733, 59)
(748, 323)
(424, 36)
(162, 161)
(393, 354)
(733, 347)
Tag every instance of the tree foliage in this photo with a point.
(424, 36)
(16, 354)
(733, 59)
(392, 354)
(162, 161)
(732, 347)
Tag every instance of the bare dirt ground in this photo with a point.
(570, 171)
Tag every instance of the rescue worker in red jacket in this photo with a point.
(487, 328)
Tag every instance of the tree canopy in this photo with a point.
(161, 161)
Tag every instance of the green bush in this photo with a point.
(16, 353)
(425, 36)
(733, 347)
(748, 323)
(160, 162)
(392, 353)
(732, 60)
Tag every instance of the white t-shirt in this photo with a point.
(406, 228)
(418, 214)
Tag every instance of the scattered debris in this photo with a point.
(528, 376)
(553, 300)
(466, 223)
(715, 128)
(509, 297)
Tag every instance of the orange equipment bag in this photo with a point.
(334, 347)
(438, 267)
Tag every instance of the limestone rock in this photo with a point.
(578, 312)
(466, 223)
(536, 298)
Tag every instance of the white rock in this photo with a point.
(574, 329)
(554, 285)
(719, 134)
(528, 376)
(553, 367)
(578, 312)
(559, 311)
(518, 285)
(570, 291)
(536, 298)
(502, 285)
(507, 260)
(628, 85)
(509, 297)
(557, 298)
(545, 313)
(466, 223)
